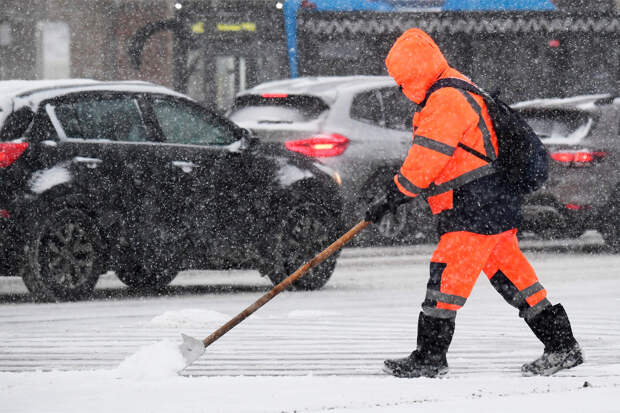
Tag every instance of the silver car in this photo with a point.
(360, 126)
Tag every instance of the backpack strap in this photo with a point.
(463, 87)
(486, 135)
(457, 84)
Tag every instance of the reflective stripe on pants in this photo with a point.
(461, 256)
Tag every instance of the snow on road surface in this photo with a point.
(189, 318)
(307, 351)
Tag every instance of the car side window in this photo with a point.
(366, 107)
(185, 123)
(115, 119)
(398, 109)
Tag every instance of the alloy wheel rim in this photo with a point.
(392, 225)
(305, 237)
(66, 254)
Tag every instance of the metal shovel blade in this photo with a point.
(191, 349)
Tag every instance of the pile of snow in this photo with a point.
(156, 361)
(164, 359)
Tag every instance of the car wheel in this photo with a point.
(147, 272)
(412, 223)
(305, 230)
(62, 260)
(610, 223)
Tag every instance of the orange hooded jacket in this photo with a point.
(447, 120)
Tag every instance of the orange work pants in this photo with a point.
(461, 256)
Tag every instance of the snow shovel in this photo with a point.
(192, 348)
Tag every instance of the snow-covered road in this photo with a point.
(326, 346)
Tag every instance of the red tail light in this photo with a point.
(320, 146)
(577, 207)
(578, 158)
(10, 151)
(274, 95)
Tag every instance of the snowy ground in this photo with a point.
(309, 352)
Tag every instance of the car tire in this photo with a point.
(610, 223)
(304, 231)
(63, 257)
(148, 272)
(412, 224)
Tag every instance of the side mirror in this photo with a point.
(248, 138)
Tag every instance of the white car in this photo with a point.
(359, 126)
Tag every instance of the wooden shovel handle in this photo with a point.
(322, 256)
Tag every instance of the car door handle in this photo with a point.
(91, 163)
(185, 166)
(49, 143)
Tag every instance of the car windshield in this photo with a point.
(277, 108)
(555, 126)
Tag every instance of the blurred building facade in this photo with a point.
(47, 39)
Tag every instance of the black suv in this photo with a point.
(138, 179)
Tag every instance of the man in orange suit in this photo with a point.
(478, 213)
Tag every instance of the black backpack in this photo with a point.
(522, 158)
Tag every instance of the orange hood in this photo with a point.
(415, 62)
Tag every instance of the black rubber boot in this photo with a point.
(429, 358)
(562, 351)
